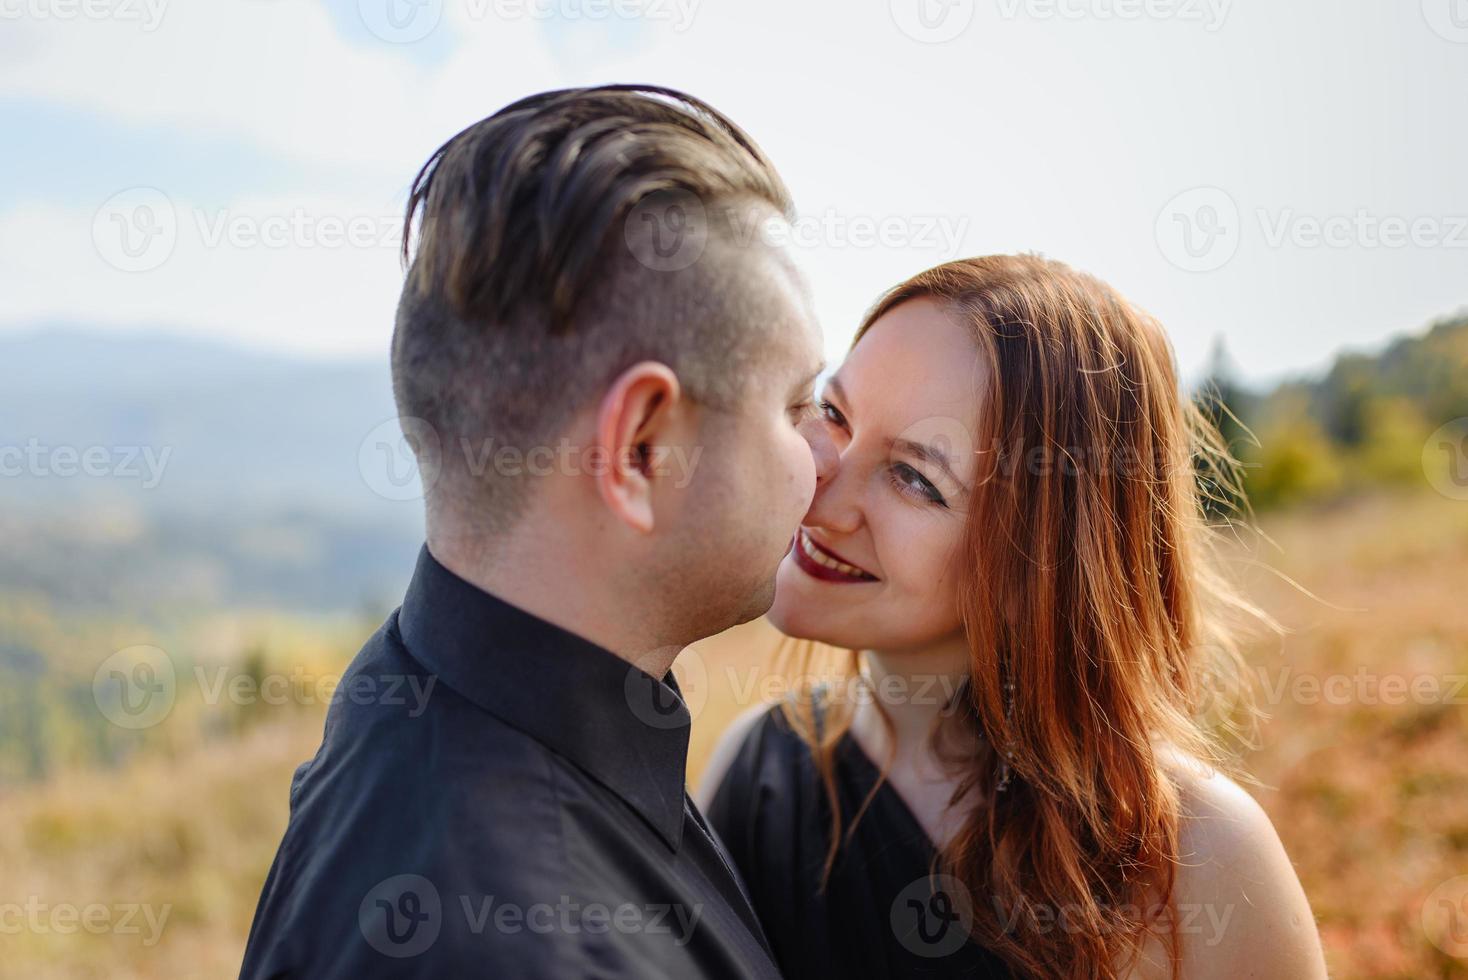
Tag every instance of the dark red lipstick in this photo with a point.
(820, 562)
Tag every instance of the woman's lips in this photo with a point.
(821, 563)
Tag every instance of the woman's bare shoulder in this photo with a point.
(1240, 908)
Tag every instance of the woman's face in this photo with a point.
(895, 470)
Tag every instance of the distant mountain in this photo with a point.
(1361, 424)
(217, 475)
(1428, 372)
(225, 426)
(239, 477)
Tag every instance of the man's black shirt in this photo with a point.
(497, 797)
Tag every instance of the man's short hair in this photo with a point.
(544, 268)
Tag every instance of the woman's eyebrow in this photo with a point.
(834, 383)
(917, 450)
(931, 454)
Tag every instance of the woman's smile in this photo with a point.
(824, 564)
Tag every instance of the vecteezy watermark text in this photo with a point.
(143, 463)
(1209, 13)
(410, 21)
(404, 915)
(66, 918)
(1201, 229)
(402, 458)
(147, 14)
(137, 687)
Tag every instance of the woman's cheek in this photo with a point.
(932, 575)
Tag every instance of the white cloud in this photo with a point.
(316, 275)
(276, 74)
(1066, 135)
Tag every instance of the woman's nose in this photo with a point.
(835, 505)
(822, 449)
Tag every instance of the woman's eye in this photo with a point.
(800, 413)
(914, 484)
(831, 413)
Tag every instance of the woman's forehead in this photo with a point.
(915, 361)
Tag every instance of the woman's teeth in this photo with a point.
(821, 558)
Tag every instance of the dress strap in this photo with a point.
(818, 710)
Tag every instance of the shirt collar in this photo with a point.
(625, 728)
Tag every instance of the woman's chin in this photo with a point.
(795, 611)
(783, 619)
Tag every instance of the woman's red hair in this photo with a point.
(1100, 630)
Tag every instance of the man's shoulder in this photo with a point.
(409, 770)
(416, 799)
(396, 734)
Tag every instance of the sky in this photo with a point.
(1288, 175)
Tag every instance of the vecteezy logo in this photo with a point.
(135, 687)
(932, 21)
(1445, 459)
(947, 442)
(668, 231)
(401, 458)
(933, 916)
(1215, 696)
(1448, 19)
(135, 230)
(657, 705)
(401, 916)
(401, 21)
(1445, 917)
(1198, 230)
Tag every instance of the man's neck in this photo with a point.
(534, 578)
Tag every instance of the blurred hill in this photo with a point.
(233, 475)
(1363, 424)
(242, 427)
(253, 566)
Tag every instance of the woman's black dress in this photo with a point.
(879, 914)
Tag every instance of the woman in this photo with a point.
(1008, 536)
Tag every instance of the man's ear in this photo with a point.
(631, 420)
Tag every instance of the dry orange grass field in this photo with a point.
(1363, 766)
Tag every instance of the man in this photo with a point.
(602, 365)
